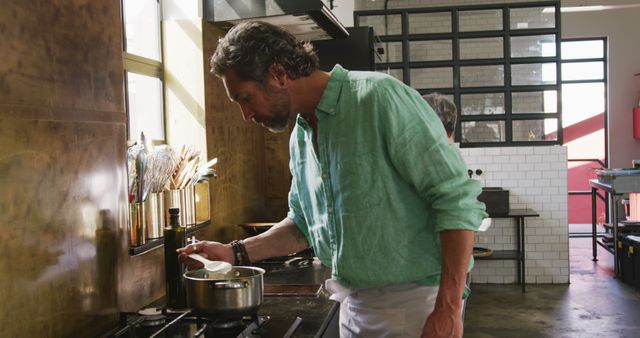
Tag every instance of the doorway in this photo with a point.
(584, 121)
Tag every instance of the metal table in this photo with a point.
(615, 192)
(519, 254)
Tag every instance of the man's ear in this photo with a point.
(279, 74)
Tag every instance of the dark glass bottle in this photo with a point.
(174, 238)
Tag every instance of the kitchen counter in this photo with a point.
(283, 311)
(293, 292)
(294, 301)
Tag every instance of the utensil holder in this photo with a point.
(189, 197)
(137, 223)
(202, 202)
(155, 215)
(175, 199)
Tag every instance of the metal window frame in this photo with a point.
(133, 63)
(456, 63)
(605, 81)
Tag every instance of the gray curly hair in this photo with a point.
(446, 110)
(251, 47)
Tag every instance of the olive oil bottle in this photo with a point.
(174, 238)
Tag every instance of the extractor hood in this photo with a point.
(308, 20)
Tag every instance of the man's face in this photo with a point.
(268, 106)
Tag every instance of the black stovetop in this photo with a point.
(278, 316)
(179, 324)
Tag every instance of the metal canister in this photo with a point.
(155, 215)
(189, 198)
(174, 199)
(202, 201)
(137, 224)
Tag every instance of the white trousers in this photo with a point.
(399, 310)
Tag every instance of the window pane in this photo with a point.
(582, 71)
(142, 28)
(482, 76)
(533, 74)
(435, 50)
(482, 104)
(483, 131)
(534, 102)
(536, 17)
(392, 52)
(426, 78)
(424, 23)
(533, 46)
(397, 73)
(482, 48)
(483, 20)
(581, 101)
(144, 95)
(535, 130)
(383, 24)
(572, 50)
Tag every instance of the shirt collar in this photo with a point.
(331, 94)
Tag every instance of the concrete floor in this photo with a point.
(594, 304)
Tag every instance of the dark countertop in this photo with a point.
(293, 299)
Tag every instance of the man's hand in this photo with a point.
(443, 324)
(211, 250)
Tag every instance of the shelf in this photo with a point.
(502, 255)
(605, 246)
(154, 243)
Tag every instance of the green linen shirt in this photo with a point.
(379, 184)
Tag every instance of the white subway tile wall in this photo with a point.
(536, 178)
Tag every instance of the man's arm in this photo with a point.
(446, 318)
(282, 239)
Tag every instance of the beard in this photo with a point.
(280, 109)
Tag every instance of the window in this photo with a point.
(143, 68)
(500, 63)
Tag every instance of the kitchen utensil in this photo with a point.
(212, 266)
(232, 295)
(161, 163)
(188, 164)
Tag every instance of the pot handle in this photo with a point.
(228, 285)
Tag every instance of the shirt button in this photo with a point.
(330, 210)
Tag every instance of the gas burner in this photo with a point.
(225, 324)
(245, 327)
(152, 317)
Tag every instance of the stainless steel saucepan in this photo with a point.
(229, 295)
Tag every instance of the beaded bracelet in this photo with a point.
(240, 253)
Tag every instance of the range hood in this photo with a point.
(308, 20)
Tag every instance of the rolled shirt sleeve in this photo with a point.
(422, 155)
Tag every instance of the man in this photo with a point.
(446, 111)
(376, 189)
